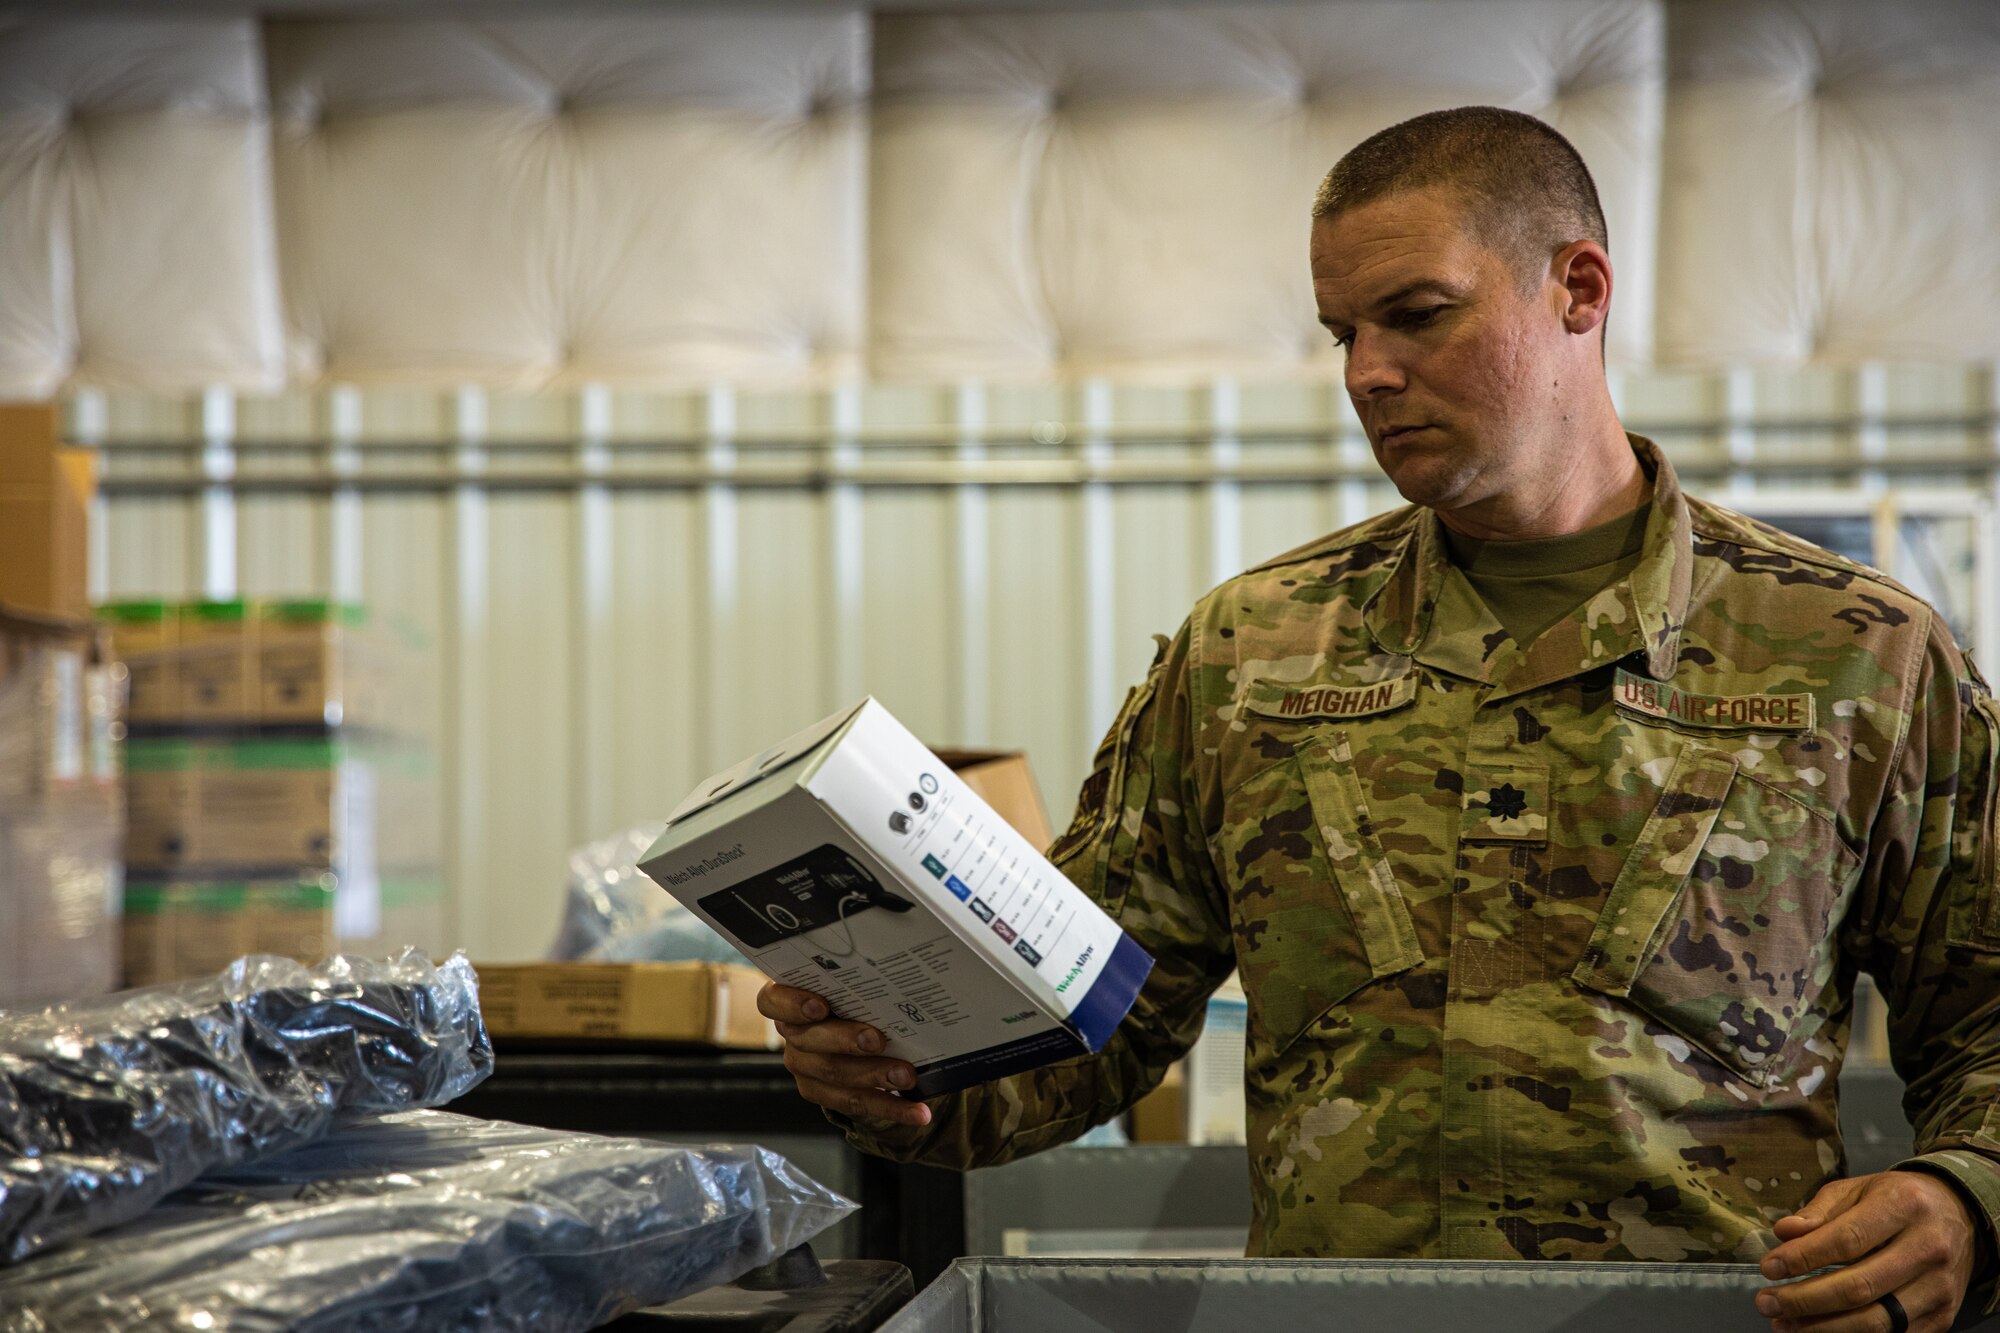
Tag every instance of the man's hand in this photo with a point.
(837, 1064)
(1900, 1233)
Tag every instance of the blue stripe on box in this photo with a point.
(962, 1071)
(1110, 997)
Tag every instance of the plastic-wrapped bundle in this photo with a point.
(614, 914)
(427, 1222)
(108, 1105)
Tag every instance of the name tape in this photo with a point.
(1288, 700)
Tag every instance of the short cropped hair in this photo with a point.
(1528, 193)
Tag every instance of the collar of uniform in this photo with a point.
(1662, 580)
(1401, 613)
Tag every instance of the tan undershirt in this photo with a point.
(1530, 585)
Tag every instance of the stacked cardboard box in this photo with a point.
(287, 664)
(45, 491)
(61, 812)
(279, 799)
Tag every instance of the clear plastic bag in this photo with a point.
(427, 1222)
(108, 1105)
(613, 914)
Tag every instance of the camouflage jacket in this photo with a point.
(1550, 953)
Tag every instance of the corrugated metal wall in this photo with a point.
(626, 591)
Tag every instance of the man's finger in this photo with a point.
(864, 1103)
(1927, 1303)
(789, 1004)
(833, 1037)
(849, 1071)
(1831, 1200)
(1840, 1239)
(1889, 1270)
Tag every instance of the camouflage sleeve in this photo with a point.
(1137, 848)
(1931, 891)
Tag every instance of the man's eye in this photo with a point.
(1344, 341)
(1419, 316)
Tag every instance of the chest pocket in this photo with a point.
(1316, 912)
(1718, 925)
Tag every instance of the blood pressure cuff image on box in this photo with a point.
(824, 887)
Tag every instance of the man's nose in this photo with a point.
(1369, 371)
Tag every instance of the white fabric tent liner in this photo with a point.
(673, 197)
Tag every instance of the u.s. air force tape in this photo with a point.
(1756, 712)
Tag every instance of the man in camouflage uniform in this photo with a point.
(1549, 940)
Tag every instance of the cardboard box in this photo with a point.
(1004, 781)
(1161, 1115)
(217, 658)
(308, 656)
(851, 861)
(176, 929)
(29, 432)
(709, 1004)
(145, 637)
(249, 805)
(293, 920)
(59, 720)
(45, 493)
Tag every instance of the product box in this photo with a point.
(145, 637)
(175, 931)
(217, 653)
(851, 861)
(710, 1004)
(1215, 1102)
(250, 804)
(45, 492)
(59, 720)
(180, 928)
(315, 664)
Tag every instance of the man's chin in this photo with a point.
(1434, 483)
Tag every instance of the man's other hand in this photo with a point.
(838, 1064)
(1899, 1233)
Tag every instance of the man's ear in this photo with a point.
(1583, 270)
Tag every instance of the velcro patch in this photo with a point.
(1294, 701)
(1720, 712)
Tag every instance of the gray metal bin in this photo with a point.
(1338, 1295)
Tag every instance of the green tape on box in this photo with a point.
(304, 896)
(261, 754)
(159, 756)
(315, 611)
(213, 897)
(133, 612)
(144, 899)
(216, 611)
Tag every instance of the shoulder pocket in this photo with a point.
(1316, 910)
(1718, 925)
(1985, 817)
